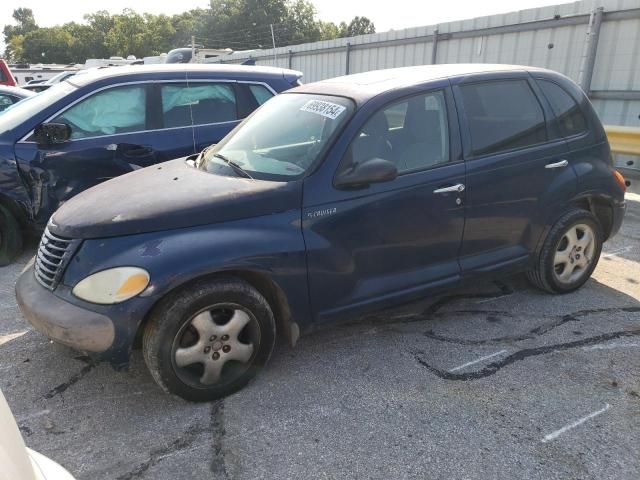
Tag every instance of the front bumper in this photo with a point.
(62, 321)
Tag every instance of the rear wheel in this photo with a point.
(10, 237)
(208, 341)
(570, 253)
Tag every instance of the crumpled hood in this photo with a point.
(167, 196)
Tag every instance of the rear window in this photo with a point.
(566, 109)
(502, 115)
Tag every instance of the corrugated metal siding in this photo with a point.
(559, 48)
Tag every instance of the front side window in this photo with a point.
(413, 134)
(502, 115)
(283, 139)
(565, 108)
(109, 112)
(197, 103)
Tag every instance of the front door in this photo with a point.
(393, 240)
(113, 132)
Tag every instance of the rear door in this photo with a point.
(219, 106)
(516, 170)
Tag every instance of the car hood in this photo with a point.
(168, 196)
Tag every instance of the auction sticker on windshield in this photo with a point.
(326, 109)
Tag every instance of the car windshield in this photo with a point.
(25, 109)
(281, 140)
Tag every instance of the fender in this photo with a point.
(261, 248)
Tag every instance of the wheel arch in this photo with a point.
(16, 209)
(286, 327)
(601, 208)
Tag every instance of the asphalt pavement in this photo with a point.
(492, 382)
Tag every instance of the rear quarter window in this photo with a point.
(502, 115)
(260, 93)
(567, 111)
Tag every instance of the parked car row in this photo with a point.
(331, 200)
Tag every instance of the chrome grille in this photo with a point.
(51, 259)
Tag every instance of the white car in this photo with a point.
(17, 462)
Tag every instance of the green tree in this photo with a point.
(48, 45)
(25, 23)
(301, 23)
(357, 26)
(328, 30)
(139, 35)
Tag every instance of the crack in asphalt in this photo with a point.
(72, 380)
(155, 456)
(494, 367)
(503, 291)
(184, 442)
(531, 334)
(218, 464)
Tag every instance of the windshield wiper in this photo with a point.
(233, 164)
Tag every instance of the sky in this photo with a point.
(384, 14)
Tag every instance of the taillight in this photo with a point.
(620, 179)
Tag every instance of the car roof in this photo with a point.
(17, 91)
(363, 86)
(86, 77)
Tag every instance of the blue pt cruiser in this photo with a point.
(329, 201)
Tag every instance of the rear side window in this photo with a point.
(502, 115)
(260, 93)
(185, 104)
(109, 112)
(565, 108)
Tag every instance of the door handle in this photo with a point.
(459, 187)
(560, 164)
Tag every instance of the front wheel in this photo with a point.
(208, 341)
(570, 253)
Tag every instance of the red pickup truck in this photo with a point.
(6, 78)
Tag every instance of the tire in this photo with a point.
(184, 343)
(10, 237)
(564, 265)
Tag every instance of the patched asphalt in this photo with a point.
(495, 381)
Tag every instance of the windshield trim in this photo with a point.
(321, 156)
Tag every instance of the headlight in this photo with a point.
(112, 286)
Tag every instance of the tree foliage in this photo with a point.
(235, 24)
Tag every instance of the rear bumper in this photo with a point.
(62, 321)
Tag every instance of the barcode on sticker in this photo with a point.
(326, 109)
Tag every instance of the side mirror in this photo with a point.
(374, 170)
(51, 133)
